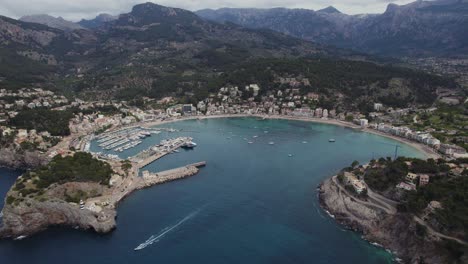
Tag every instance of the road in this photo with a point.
(389, 206)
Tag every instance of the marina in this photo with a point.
(125, 138)
(165, 147)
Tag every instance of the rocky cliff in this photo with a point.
(397, 232)
(31, 216)
(12, 158)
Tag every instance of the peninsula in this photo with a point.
(409, 206)
(79, 190)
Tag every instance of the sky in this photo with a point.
(76, 9)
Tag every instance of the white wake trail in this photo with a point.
(166, 230)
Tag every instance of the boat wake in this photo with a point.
(156, 238)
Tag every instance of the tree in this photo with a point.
(354, 164)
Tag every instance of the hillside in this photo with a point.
(157, 51)
(419, 29)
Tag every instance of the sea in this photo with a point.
(253, 203)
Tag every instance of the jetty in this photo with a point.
(149, 179)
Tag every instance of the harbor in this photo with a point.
(158, 151)
(124, 138)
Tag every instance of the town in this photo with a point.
(87, 119)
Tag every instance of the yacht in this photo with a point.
(271, 143)
(189, 145)
(331, 140)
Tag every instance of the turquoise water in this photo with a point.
(252, 203)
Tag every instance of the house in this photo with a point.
(410, 177)
(378, 106)
(351, 179)
(423, 179)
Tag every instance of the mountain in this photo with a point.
(150, 44)
(98, 21)
(158, 51)
(330, 10)
(53, 22)
(419, 29)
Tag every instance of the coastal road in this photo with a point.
(389, 206)
(384, 207)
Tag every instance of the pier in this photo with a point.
(154, 153)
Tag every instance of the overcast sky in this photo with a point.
(77, 9)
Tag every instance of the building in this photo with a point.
(423, 179)
(411, 177)
(350, 179)
(325, 113)
(363, 122)
(378, 106)
(451, 150)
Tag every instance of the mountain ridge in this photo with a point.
(418, 29)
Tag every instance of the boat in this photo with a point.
(290, 155)
(189, 145)
(304, 142)
(331, 140)
(250, 142)
(255, 136)
(271, 143)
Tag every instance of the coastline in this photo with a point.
(427, 151)
(392, 231)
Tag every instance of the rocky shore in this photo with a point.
(395, 231)
(32, 215)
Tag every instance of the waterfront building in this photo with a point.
(363, 122)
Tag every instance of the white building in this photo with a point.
(363, 122)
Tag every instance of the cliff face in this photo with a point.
(31, 216)
(11, 158)
(397, 232)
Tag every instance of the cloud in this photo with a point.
(77, 9)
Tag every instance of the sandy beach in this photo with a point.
(428, 152)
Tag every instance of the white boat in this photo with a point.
(290, 155)
(331, 140)
(271, 143)
(250, 142)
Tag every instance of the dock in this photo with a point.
(154, 153)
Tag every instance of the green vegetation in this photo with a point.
(360, 82)
(126, 166)
(41, 119)
(386, 176)
(18, 71)
(450, 122)
(10, 200)
(450, 190)
(81, 167)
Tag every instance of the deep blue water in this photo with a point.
(250, 204)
